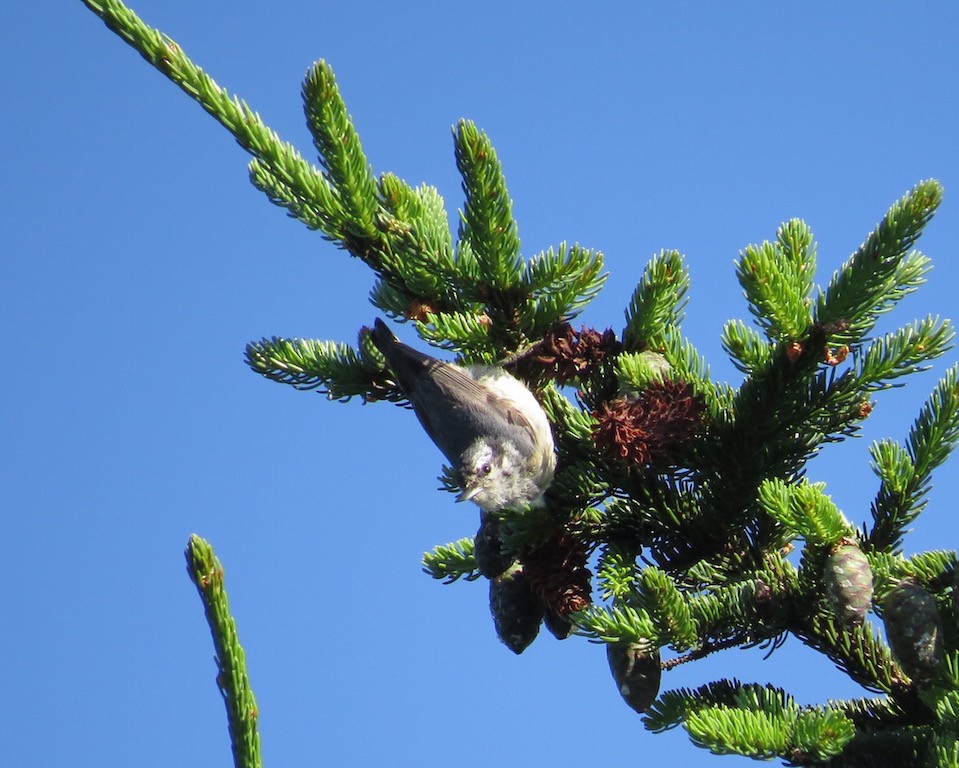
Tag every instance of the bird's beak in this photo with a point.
(468, 493)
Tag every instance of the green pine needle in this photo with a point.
(805, 509)
(821, 734)
(905, 471)
(668, 609)
(281, 171)
(901, 353)
(618, 624)
(746, 347)
(724, 731)
(560, 282)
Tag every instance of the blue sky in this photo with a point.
(138, 261)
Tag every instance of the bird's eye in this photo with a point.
(485, 469)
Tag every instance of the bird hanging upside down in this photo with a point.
(486, 422)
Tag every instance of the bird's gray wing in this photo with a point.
(452, 407)
(454, 410)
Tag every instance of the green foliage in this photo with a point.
(777, 280)
(453, 561)
(559, 283)
(668, 608)
(691, 543)
(805, 509)
(883, 271)
(487, 222)
(746, 347)
(206, 573)
(617, 625)
(340, 152)
(658, 302)
(905, 471)
(333, 368)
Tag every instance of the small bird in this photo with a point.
(486, 422)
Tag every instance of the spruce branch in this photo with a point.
(451, 562)
(658, 302)
(487, 222)
(206, 573)
(559, 283)
(777, 280)
(621, 624)
(674, 706)
(668, 608)
(657, 464)
(805, 509)
(746, 347)
(905, 471)
(882, 271)
(339, 150)
(333, 368)
(900, 353)
(275, 159)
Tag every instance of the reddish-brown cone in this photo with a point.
(652, 428)
(558, 575)
(565, 354)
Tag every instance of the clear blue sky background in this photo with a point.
(138, 261)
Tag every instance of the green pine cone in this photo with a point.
(637, 673)
(517, 612)
(848, 583)
(914, 631)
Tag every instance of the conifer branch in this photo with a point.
(285, 165)
(658, 302)
(905, 471)
(691, 491)
(451, 562)
(882, 271)
(487, 223)
(206, 573)
(334, 369)
(777, 279)
(339, 150)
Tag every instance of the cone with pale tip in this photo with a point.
(517, 612)
(637, 672)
